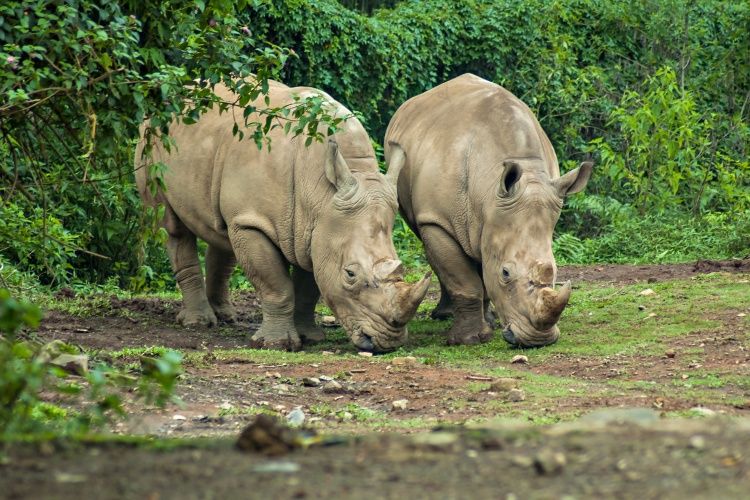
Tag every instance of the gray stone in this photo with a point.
(296, 417)
(516, 395)
(400, 404)
(311, 382)
(77, 364)
(333, 387)
(519, 359)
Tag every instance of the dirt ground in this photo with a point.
(341, 392)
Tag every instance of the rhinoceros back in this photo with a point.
(456, 137)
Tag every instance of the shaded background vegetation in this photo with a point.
(655, 91)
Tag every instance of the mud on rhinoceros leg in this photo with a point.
(183, 253)
(267, 269)
(306, 295)
(219, 267)
(459, 276)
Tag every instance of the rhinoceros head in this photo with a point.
(518, 267)
(354, 260)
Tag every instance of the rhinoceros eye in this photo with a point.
(506, 274)
(349, 273)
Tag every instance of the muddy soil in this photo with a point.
(223, 390)
(666, 460)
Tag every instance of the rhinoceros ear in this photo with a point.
(574, 181)
(337, 171)
(396, 163)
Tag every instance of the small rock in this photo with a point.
(332, 387)
(329, 321)
(516, 395)
(503, 385)
(400, 404)
(325, 378)
(77, 364)
(281, 388)
(647, 292)
(365, 354)
(651, 315)
(641, 308)
(346, 416)
(704, 412)
(741, 315)
(670, 354)
(697, 442)
(311, 382)
(439, 440)
(519, 359)
(548, 462)
(522, 460)
(404, 360)
(277, 466)
(266, 434)
(296, 417)
(179, 417)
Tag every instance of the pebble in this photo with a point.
(404, 360)
(400, 404)
(697, 442)
(548, 462)
(647, 292)
(332, 387)
(705, 412)
(741, 315)
(503, 385)
(365, 354)
(311, 382)
(670, 354)
(325, 378)
(516, 395)
(179, 417)
(277, 466)
(641, 308)
(519, 359)
(328, 321)
(296, 417)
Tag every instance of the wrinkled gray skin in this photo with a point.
(325, 210)
(482, 188)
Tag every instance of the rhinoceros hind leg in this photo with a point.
(183, 253)
(444, 307)
(306, 295)
(461, 280)
(219, 266)
(267, 269)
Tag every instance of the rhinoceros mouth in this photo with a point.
(530, 337)
(383, 340)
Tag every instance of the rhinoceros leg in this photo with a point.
(267, 269)
(444, 308)
(458, 274)
(306, 295)
(219, 266)
(183, 253)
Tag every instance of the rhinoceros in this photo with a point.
(481, 187)
(301, 221)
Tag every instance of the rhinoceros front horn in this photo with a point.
(550, 305)
(408, 299)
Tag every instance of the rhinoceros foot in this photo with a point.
(311, 334)
(197, 317)
(275, 338)
(225, 313)
(469, 335)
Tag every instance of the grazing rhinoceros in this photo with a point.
(482, 188)
(325, 210)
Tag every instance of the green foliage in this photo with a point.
(656, 92)
(29, 369)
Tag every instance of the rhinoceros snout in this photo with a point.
(365, 343)
(510, 337)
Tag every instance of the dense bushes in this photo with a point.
(656, 91)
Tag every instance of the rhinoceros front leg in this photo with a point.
(306, 295)
(183, 253)
(267, 269)
(459, 277)
(219, 266)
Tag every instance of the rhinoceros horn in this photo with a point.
(550, 305)
(408, 298)
(396, 163)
